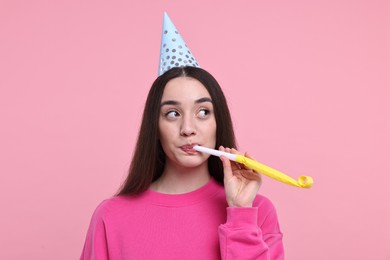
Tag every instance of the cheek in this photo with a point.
(210, 129)
(161, 131)
(213, 124)
(214, 135)
(165, 131)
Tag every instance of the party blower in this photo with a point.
(302, 182)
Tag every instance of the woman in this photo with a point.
(177, 203)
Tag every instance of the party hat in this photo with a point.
(173, 51)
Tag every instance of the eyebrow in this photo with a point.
(174, 102)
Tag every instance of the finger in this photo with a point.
(239, 165)
(234, 151)
(234, 166)
(227, 167)
(251, 174)
(248, 155)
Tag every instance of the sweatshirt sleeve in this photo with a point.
(95, 246)
(251, 233)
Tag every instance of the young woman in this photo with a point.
(177, 203)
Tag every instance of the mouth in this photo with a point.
(188, 148)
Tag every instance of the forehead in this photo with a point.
(184, 88)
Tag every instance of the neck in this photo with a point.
(179, 180)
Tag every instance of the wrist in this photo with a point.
(241, 217)
(235, 204)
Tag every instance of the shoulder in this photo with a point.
(263, 202)
(114, 205)
(266, 210)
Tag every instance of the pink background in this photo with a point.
(308, 86)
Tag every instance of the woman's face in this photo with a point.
(186, 118)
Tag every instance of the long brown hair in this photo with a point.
(148, 160)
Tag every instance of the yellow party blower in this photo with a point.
(302, 182)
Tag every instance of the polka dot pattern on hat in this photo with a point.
(173, 52)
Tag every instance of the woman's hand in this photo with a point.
(241, 183)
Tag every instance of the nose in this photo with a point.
(188, 127)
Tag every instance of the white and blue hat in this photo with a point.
(173, 51)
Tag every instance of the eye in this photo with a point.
(172, 114)
(203, 113)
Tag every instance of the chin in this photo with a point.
(191, 162)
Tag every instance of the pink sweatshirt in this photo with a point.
(196, 225)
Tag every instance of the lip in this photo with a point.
(188, 148)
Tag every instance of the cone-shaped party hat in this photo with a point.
(173, 51)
